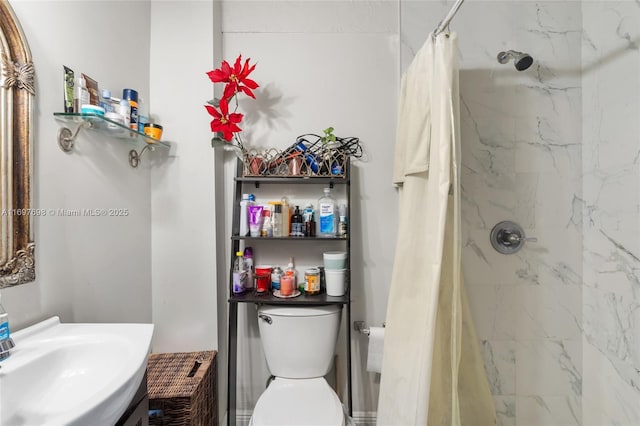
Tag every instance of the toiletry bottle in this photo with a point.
(342, 225)
(297, 224)
(5, 334)
(239, 274)
(276, 272)
(244, 216)
(82, 95)
(132, 97)
(307, 217)
(248, 263)
(310, 226)
(143, 114)
(124, 109)
(286, 217)
(105, 101)
(69, 83)
(291, 271)
(327, 213)
(266, 230)
(276, 220)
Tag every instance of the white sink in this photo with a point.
(72, 374)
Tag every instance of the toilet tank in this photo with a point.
(299, 341)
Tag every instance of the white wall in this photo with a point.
(100, 269)
(88, 269)
(185, 222)
(182, 181)
(324, 64)
(611, 108)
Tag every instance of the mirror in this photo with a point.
(16, 108)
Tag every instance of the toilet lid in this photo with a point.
(295, 402)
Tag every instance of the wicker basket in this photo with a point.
(182, 389)
(273, 162)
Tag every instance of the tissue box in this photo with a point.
(182, 389)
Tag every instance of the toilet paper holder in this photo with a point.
(360, 327)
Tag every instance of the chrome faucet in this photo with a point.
(5, 348)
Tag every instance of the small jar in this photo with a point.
(153, 130)
(312, 281)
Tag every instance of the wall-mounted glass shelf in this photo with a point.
(108, 127)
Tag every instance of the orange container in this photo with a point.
(153, 130)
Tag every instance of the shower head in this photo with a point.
(522, 61)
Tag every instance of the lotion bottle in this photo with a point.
(286, 218)
(244, 216)
(276, 220)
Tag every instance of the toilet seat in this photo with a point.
(295, 402)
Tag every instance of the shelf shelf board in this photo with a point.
(303, 299)
(111, 128)
(324, 180)
(237, 237)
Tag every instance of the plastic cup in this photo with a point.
(263, 269)
(262, 283)
(263, 278)
(334, 260)
(335, 281)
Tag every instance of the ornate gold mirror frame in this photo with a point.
(17, 90)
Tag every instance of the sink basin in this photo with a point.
(72, 374)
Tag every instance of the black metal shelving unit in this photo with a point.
(269, 299)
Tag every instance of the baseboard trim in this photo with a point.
(364, 418)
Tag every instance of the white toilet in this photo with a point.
(299, 342)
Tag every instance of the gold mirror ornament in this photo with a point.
(17, 88)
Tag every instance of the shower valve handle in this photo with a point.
(508, 237)
(515, 238)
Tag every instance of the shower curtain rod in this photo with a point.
(445, 22)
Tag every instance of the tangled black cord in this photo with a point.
(348, 146)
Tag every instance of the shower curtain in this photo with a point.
(432, 370)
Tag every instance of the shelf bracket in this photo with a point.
(134, 156)
(66, 138)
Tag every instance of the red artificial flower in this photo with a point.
(236, 78)
(223, 121)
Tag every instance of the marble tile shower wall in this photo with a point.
(521, 148)
(611, 188)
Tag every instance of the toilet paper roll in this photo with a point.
(375, 350)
